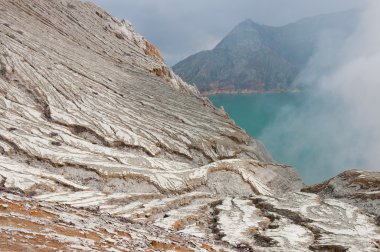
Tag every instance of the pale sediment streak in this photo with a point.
(92, 118)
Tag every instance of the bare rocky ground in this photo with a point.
(103, 148)
(29, 225)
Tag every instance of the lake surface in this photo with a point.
(269, 117)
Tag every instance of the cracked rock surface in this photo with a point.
(105, 146)
(360, 188)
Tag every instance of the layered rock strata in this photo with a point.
(105, 146)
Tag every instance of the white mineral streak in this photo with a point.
(26, 225)
(102, 134)
(289, 235)
(337, 224)
(239, 219)
(25, 177)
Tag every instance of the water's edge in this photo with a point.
(260, 115)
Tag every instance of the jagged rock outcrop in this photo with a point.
(360, 188)
(103, 144)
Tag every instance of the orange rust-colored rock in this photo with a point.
(178, 225)
(163, 72)
(208, 248)
(59, 227)
(160, 246)
(152, 50)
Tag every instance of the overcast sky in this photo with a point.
(180, 28)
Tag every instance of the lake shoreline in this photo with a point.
(265, 116)
(248, 91)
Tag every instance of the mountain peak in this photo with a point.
(254, 57)
(247, 21)
(246, 36)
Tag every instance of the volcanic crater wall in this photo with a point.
(92, 122)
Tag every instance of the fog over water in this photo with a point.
(338, 128)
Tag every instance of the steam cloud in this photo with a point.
(339, 126)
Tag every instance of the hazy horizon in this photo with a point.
(338, 127)
(181, 28)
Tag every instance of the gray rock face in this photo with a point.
(360, 188)
(254, 57)
(94, 126)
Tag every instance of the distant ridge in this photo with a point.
(260, 58)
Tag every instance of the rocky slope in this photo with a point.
(103, 147)
(258, 58)
(360, 188)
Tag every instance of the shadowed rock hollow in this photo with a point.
(92, 122)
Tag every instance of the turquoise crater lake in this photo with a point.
(262, 116)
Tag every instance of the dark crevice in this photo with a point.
(120, 145)
(12, 190)
(2, 181)
(272, 217)
(273, 226)
(327, 248)
(218, 235)
(55, 143)
(53, 134)
(174, 152)
(377, 220)
(93, 137)
(86, 133)
(264, 241)
(295, 217)
(244, 247)
(99, 14)
(298, 219)
(3, 69)
(13, 145)
(193, 147)
(237, 139)
(214, 147)
(37, 97)
(268, 211)
(71, 6)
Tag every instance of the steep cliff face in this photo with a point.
(258, 58)
(103, 143)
